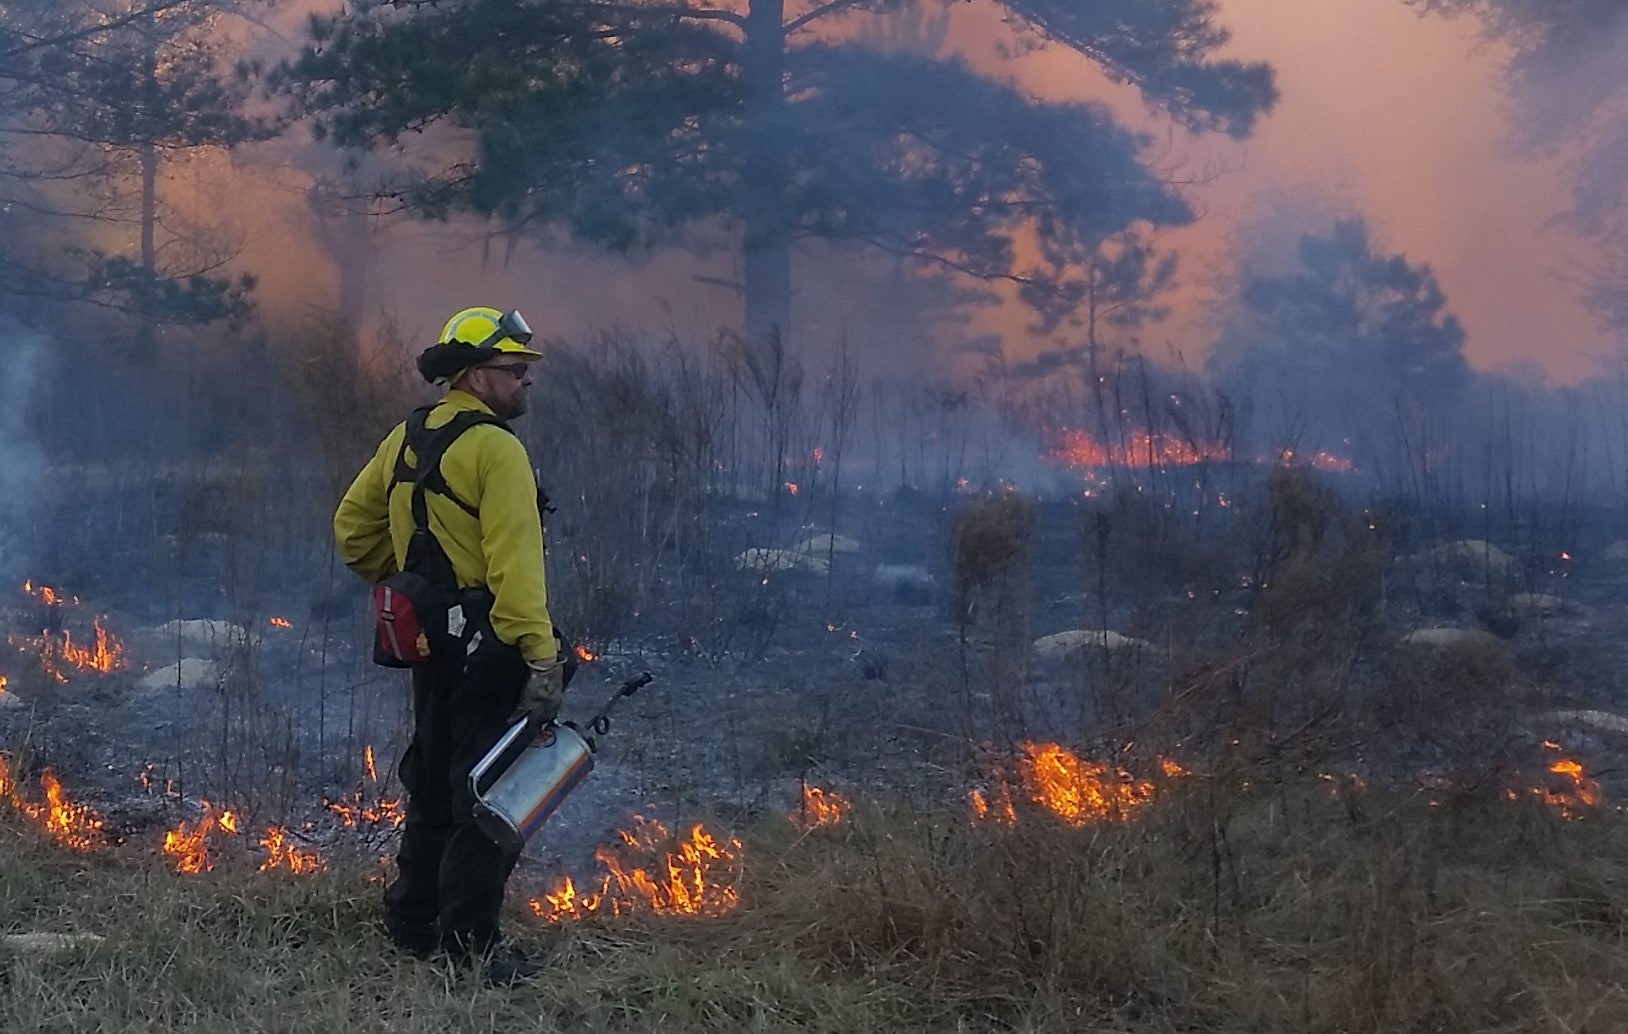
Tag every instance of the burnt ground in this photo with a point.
(873, 679)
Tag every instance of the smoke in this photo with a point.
(22, 464)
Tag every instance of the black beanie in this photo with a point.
(439, 362)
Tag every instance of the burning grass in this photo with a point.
(1275, 908)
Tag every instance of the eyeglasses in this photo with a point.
(510, 325)
(518, 370)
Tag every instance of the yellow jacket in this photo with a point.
(502, 550)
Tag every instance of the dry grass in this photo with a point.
(1292, 907)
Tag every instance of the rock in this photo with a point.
(1452, 639)
(1061, 644)
(782, 560)
(1539, 604)
(48, 943)
(821, 545)
(9, 701)
(188, 673)
(1598, 719)
(1474, 553)
(204, 635)
(910, 583)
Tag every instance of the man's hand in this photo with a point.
(545, 691)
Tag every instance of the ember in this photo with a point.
(1077, 791)
(1078, 449)
(696, 875)
(1319, 460)
(585, 655)
(74, 826)
(821, 808)
(280, 623)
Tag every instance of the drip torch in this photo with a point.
(514, 799)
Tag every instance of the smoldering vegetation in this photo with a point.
(1137, 726)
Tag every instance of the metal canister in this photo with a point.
(516, 802)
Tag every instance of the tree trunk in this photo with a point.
(149, 172)
(767, 243)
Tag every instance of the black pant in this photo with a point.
(449, 880)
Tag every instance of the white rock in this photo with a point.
(1061, 644)
(1540, 604)
(820, 545)
(772, 560)
(203, 634)
(46, 943)
(904, 576)
(1598, 719)
(188, 673)
(1474, 552)
(1451, 638)
(9, 701)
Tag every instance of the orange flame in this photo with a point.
(106, 656)
(697, 875)
(822, 808)
(1577, 794)
(280, 854)
(280, 623)
(74, 826)
(45, 594)
(791, 486)
(585, 655)
(189, 843)
(358, 809)
(1077, 791)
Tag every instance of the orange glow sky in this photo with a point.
(1389, 114)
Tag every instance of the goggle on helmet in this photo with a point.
(490, 330)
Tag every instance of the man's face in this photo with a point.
(502, 385)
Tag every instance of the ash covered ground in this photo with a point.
(901, 659)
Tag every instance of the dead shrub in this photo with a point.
(990, 541)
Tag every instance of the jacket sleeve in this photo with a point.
(362, 522)
(512, 541)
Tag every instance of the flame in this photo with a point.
(1578, 793)
(280, 854)
(1077, 791)
(585, 655)
(280, 623)
(822, 808)
(45, 594)
(74, 826)
(697, 875)
(358, 809)
(106, 656)
(1080, 450)
(791, 486)
(818, 454)
(189, 843)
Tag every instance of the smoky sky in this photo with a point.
(1406, 120)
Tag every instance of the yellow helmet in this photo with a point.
(487, 328)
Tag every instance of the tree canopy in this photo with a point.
(94, 97)
(1348, 329)
(631, 123)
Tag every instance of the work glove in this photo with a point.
(544, 692)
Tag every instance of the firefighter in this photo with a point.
(450, 875)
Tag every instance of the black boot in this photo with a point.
(508, 968)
